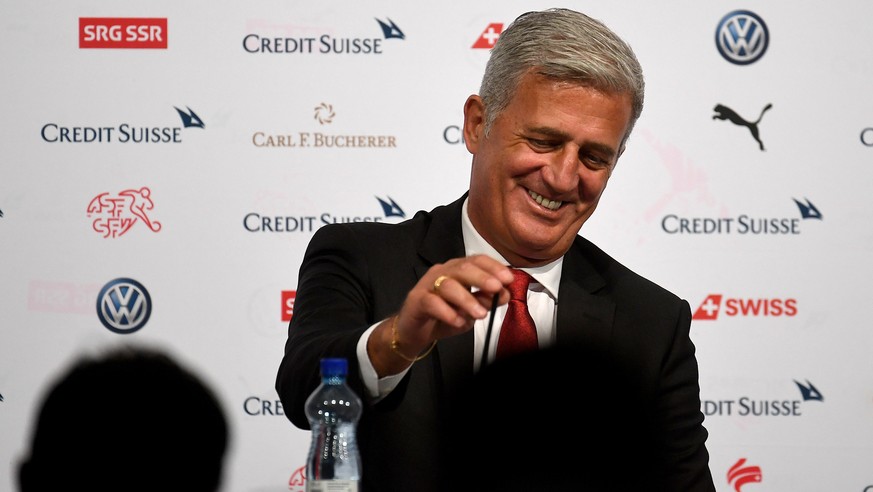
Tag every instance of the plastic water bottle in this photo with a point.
(333, 410)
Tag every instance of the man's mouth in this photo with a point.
(545, 202)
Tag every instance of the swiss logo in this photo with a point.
(708, 309)
(489, 36)
(716, 304)
(123, 32)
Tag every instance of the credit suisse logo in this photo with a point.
(262, 406)
(123, 32)
(125, 133)
(867, 137)
(327, 43)
(768, 406)
(453, 135)
(259, 222)
(743, 224)
(732, 307)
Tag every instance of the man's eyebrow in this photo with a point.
(547, 131)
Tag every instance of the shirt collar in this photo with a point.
(548, 276)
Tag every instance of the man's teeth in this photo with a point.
(549, 204)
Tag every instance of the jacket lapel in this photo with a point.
(583, 316)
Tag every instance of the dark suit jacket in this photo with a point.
(356, 274)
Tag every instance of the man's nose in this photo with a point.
(562, 174)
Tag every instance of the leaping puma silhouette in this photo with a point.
(723, 112)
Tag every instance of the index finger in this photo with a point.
(484, 273)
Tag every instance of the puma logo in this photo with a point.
(725, 113)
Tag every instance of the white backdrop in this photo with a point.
(778, 310)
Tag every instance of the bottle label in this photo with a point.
(331, 486)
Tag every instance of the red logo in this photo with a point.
(123, 32)
(61, 297)
(489, 36)
(712, 306)
(709, 308)
(115, 215)
(297, 482)
(288, 297)
(740, 475)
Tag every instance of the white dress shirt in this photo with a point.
(541, 300)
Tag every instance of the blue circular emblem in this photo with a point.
(124, 305)
(742, 37)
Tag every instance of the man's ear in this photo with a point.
(474, 122)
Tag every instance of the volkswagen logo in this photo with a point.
(742, 37)
(124, 305)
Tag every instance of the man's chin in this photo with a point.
(538, 253)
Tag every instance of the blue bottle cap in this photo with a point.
(334, 367)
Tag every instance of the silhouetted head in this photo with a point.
(129, 420)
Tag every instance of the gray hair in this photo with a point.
(564, 45)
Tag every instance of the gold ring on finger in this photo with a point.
(438, 282)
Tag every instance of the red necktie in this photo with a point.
(518, 333)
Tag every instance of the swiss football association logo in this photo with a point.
(114, 215)
(297, 481)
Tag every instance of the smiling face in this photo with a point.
(539, 173)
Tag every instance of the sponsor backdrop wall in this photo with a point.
(181, 155)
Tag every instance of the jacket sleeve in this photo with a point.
(332, 309)
(678, 408)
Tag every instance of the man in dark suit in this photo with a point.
(408, 304)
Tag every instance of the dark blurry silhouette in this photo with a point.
(531, 423)
(131, 419)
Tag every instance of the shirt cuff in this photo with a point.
(376, 388)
